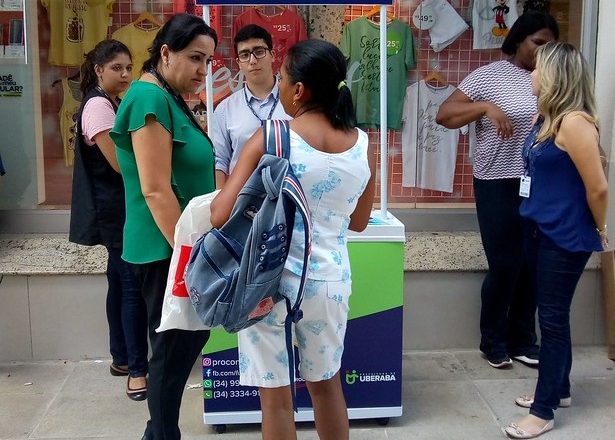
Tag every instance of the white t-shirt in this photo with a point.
(429, 150)
(491, 22)
(447, 27)
(510, 88)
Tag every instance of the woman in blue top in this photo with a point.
(565, 206)
(331, 159)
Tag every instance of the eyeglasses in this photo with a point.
(258, 52)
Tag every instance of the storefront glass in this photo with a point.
(37, 125)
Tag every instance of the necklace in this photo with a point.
(275, 103)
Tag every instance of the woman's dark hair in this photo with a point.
(251, 31)
(527, 24)
(321, 67)
(177, 33)
(103, 52)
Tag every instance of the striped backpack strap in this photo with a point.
(277, 137)
(277, 142)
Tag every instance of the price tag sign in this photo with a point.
(423, 17)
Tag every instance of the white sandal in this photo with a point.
(515, 431)
(526, 401)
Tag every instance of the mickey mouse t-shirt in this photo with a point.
(491, 22)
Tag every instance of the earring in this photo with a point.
(294, 103)
(166, 62)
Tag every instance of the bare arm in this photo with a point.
(579, 138)
(221, 178)
(459, 110)
(360, 216)
(107, 148)
(222, 205)
(152, 145)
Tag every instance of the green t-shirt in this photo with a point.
(192, 165)
(361, 47)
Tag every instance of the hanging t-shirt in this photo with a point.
(429, 150)
(67, 115)
(138, 41)
(361, 47)
(491, 21)
(76, 27)
(448, 25)
(325, 22)
(286, 29)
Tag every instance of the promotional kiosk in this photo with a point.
(371, 369)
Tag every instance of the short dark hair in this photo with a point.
(321, 67)
(177, 34)
(528, 23)
(251, 31)
(104, 52)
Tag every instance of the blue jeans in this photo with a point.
(127, 316)
(555, 273)
(508, 306)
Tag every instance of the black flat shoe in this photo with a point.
(118, 370)
(136, 393)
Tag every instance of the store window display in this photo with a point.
(429, 149)
(491, 21)
(452, 50)
(67, 115)
(361, 47)
(285, 26)
(76, 26)
(138, 36)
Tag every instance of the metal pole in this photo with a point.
(383, 114)
(209, 88)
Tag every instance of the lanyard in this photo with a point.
(113, 102)
(275, 103)
(528, 147)
(179, 100)
(182, 105)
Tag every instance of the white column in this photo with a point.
(605, 92)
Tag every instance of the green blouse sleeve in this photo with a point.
(143, 100)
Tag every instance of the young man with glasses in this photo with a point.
(237, 117)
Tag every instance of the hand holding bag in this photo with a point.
(177, 310)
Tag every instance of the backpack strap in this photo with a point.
(277, 137)
(291, 189)
(277, 143)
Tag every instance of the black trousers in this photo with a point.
(508, 303)
(174, 353)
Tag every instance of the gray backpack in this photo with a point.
(234, 272)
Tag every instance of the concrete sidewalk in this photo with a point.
(447, 395)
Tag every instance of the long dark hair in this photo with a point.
(177, 33)
(104, 52)
(321, 67)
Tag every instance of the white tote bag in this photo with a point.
(177, 310)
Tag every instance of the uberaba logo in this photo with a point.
(353, 376)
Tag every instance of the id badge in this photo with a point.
(524, 187)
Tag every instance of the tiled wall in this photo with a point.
(455, 62)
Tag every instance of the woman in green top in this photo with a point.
(166, 159)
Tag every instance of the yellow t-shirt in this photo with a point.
(138, 41)
(71, 100)
(76, 27)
